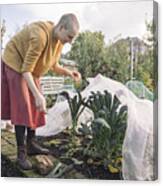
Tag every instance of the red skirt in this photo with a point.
(17, 101)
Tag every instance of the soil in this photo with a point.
(8, 170)
(94, 170)
(62, 150)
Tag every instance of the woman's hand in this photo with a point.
(76, 76)
(40, 103)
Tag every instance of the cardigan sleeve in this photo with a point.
(37, 43)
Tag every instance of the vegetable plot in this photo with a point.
(105, 132)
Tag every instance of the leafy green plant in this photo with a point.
(77, 105)
(50, 100)
(107, 128)
(101, 132)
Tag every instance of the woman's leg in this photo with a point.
(22, 160)
(20, 135)
(33, 147)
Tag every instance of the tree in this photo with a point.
(147, 70)
(114, 61)
(88, 51)
(117, 60)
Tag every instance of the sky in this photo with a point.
(115, 19)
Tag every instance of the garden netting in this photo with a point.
(139, 89)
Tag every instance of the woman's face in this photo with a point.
(66, 36)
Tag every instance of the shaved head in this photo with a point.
(69, 22)
(67, 28)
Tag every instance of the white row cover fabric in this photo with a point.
(138, 149)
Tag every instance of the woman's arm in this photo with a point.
(57, 68)
(39, 98)
(75, 75)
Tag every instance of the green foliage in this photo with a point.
(147, 61)
(94, 56)
(145, 69)
(50, 100)
(76, 105)
(107, 129)
(101, 132)
(3, 31)
(88, 51)
(139, 89)
(117, 60)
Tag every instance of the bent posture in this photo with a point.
(28, 56)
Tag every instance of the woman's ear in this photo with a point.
(61, 27)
